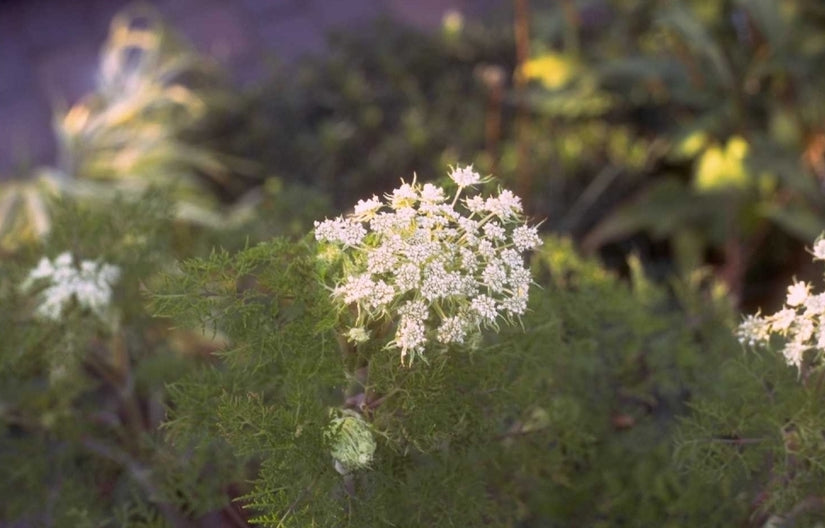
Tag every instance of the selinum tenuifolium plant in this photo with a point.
(799, 322)
(422, 270)
(440, 267)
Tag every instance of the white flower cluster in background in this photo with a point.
(442, 267)
(61, 281)
(352, 443)
(799, 322)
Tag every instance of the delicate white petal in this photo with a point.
(798, 293)
(465, 176)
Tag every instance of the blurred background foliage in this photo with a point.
(690, 131)
(685, 138)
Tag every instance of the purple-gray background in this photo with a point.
(49, 48)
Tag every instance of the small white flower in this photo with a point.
(526, 237)
(453, 330)
(381, 260)
(815, 305)
(799, 323)
(782, 320)
(819, 249)
(438, 283)
(432, 194)
(798, 293)
(407, 278)
(794, 353)
(468, 225)
(382, 295)
(475, 204)
(340, 230)
(64, 260)
(420, 252)
(495, 232)
(383, 223)
(512, 258)
(43, 270)
(515, 305)
(506, 205)
(820, 339)
(465, 176)
(366, 208)
(90, 285)
(752, 330)
(357, 288)
(485, 307)
(405, 217)
(803, 329)
(404, 196)
(495, 275)
(410, 337)
(469, 260)
(486, 249)
(417, 310)
(519, 277)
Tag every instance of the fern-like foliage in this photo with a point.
(566, 421)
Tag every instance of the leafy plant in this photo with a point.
(568, 420)
(135, 132)
(83, 384)
(720, 94)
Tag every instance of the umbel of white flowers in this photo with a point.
(799, 322)
(441, 267)
(90, 285)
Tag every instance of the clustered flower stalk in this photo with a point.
(430, 268)
(799, 323)
(441, 268)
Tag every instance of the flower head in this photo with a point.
(797, 293)
(819, 248)
(366, 208)
(465, 176)
(90, 285)
(439, 269)
(799, 323)
(341, 231)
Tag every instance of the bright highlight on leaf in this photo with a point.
(553, 70)
(719, 169)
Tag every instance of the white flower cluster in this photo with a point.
(799, 322)
(352, 443)
(90, 285)
(440, 267)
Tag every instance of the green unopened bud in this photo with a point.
(353, 444)
(358, 335)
